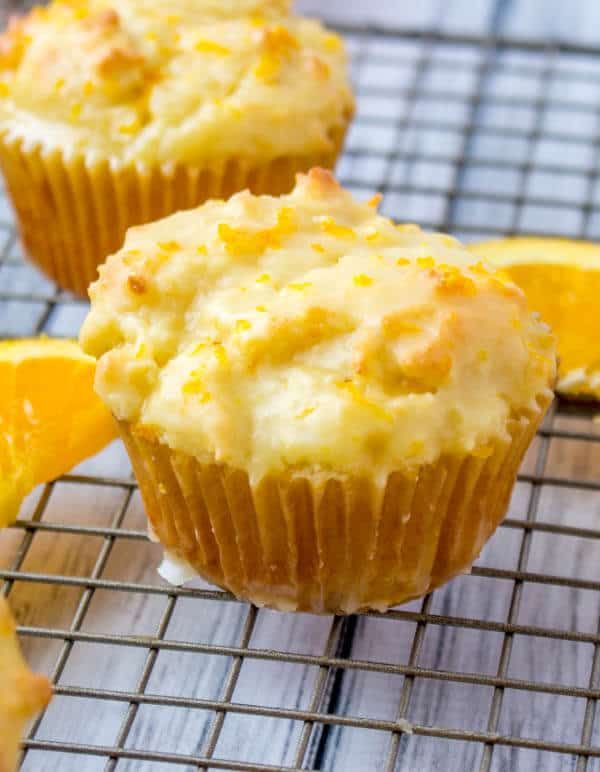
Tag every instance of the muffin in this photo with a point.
(22, 694)
(113, 114)
(325, 411)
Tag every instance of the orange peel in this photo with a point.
(22, 693)
(50, 417)
(561, 279)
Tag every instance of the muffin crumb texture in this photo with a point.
(307, 332)
(179, 81)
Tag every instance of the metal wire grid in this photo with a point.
(382, 143)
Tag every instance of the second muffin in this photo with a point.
(113, 114)
(324, 411)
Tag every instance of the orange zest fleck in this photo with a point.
(306, 412)
(452, 281)
(220, 353)
(204, 46)
(267, 68)
(300, 285)
(169, 246)
(279, 41)
(195, 387)
(405, 327)
(130, 128)
(332, 228)
(277, 45)
(360, 399)
(245, 242)
(257, 19)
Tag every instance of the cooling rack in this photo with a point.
(498, 670)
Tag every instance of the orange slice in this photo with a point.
(22, 694)
(561, 279)
(50, 417)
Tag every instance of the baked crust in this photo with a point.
(182, 82)
(307, 330)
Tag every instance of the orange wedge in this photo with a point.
(50, 417)
(22, 694)
(561, 279)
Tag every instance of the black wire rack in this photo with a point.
(478, 137)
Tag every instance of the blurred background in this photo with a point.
(546, 20)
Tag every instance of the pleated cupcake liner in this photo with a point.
(322, 544)
(73, 213)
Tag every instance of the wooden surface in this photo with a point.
(430, 702)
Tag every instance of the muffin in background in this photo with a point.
(206, 10)
(113, 114)
(324, 411)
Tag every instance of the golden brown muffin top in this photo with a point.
(309, 331)
(141, 81)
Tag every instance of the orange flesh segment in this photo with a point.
(22, 693)
(568, 299)
(561, 279)
(50, 417)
